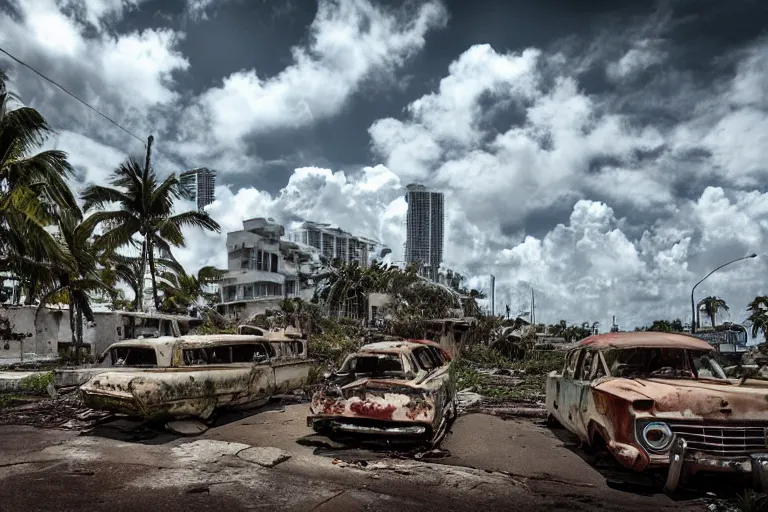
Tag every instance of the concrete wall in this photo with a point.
(52, 328)
(377, 300)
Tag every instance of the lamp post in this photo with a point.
(693, 306)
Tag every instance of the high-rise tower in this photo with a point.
(424, 232)
(201, 182)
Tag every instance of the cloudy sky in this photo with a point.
(606, 153)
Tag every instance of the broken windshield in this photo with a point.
(374, 365)
(666, 363)
(132, 356)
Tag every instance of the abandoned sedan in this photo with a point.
(194, 375)
(657, 400)
(391, 388)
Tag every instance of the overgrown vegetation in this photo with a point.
(530, 371)
(36, 383)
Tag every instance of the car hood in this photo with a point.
(693, 398)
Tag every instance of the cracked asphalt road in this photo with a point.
(494, 465)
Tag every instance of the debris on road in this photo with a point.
(265, 456)
(61, 412)
(186, 427)
(466, 398)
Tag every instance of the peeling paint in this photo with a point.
(411, 395)
(722, 423)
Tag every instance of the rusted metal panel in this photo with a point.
(645, 339)
(719, 423)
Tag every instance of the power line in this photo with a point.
(74, 96)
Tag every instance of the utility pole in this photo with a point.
(144, 246)
(148, 156)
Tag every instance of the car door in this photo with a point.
(582, 381)
(568, 391)
(262, 375)
(443, 373)
(435, 381)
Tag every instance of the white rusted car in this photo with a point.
(393, 388)
(194, 375)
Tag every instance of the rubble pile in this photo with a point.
(65, 411)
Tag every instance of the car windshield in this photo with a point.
(374, 365)
(667, 363)
(130, 356)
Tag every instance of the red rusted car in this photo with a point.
(399, 389)
(660, 400)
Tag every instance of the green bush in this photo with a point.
(36, 383)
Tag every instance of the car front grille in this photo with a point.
(726, 439)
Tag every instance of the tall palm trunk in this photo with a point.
(72, 318)
(79, 340)
(31, 291)
(151, 253)
(712, 318)
(140, 278)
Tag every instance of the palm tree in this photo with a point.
(81, 276)
(758, 316)
(33, 190)
(145, 207)
(711, 305)
(471, 307)
(300, 314)
(181, 290)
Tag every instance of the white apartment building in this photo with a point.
(334, 243)
(262, 269)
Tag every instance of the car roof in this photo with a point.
(193, 341)
(645, 339)
(398, 346)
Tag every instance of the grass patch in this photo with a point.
(8, 400)
(36, 383)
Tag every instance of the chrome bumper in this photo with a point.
(381, 429)
(680, 459)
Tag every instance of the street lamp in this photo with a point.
(693, 306)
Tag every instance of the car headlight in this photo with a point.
(657, 436)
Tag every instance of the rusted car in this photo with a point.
(191, 376)
(660, 400)
(401, 389)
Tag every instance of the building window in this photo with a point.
(259, 260)
(274, 262)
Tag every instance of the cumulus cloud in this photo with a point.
(596, 263)
(607, 202)
(350, 41)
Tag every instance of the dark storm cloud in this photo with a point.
(539, 221)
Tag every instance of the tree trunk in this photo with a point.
(79, 341)
(712, 318)
(151, 254)
(72, 318)
(140, 278)
(31, 291)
